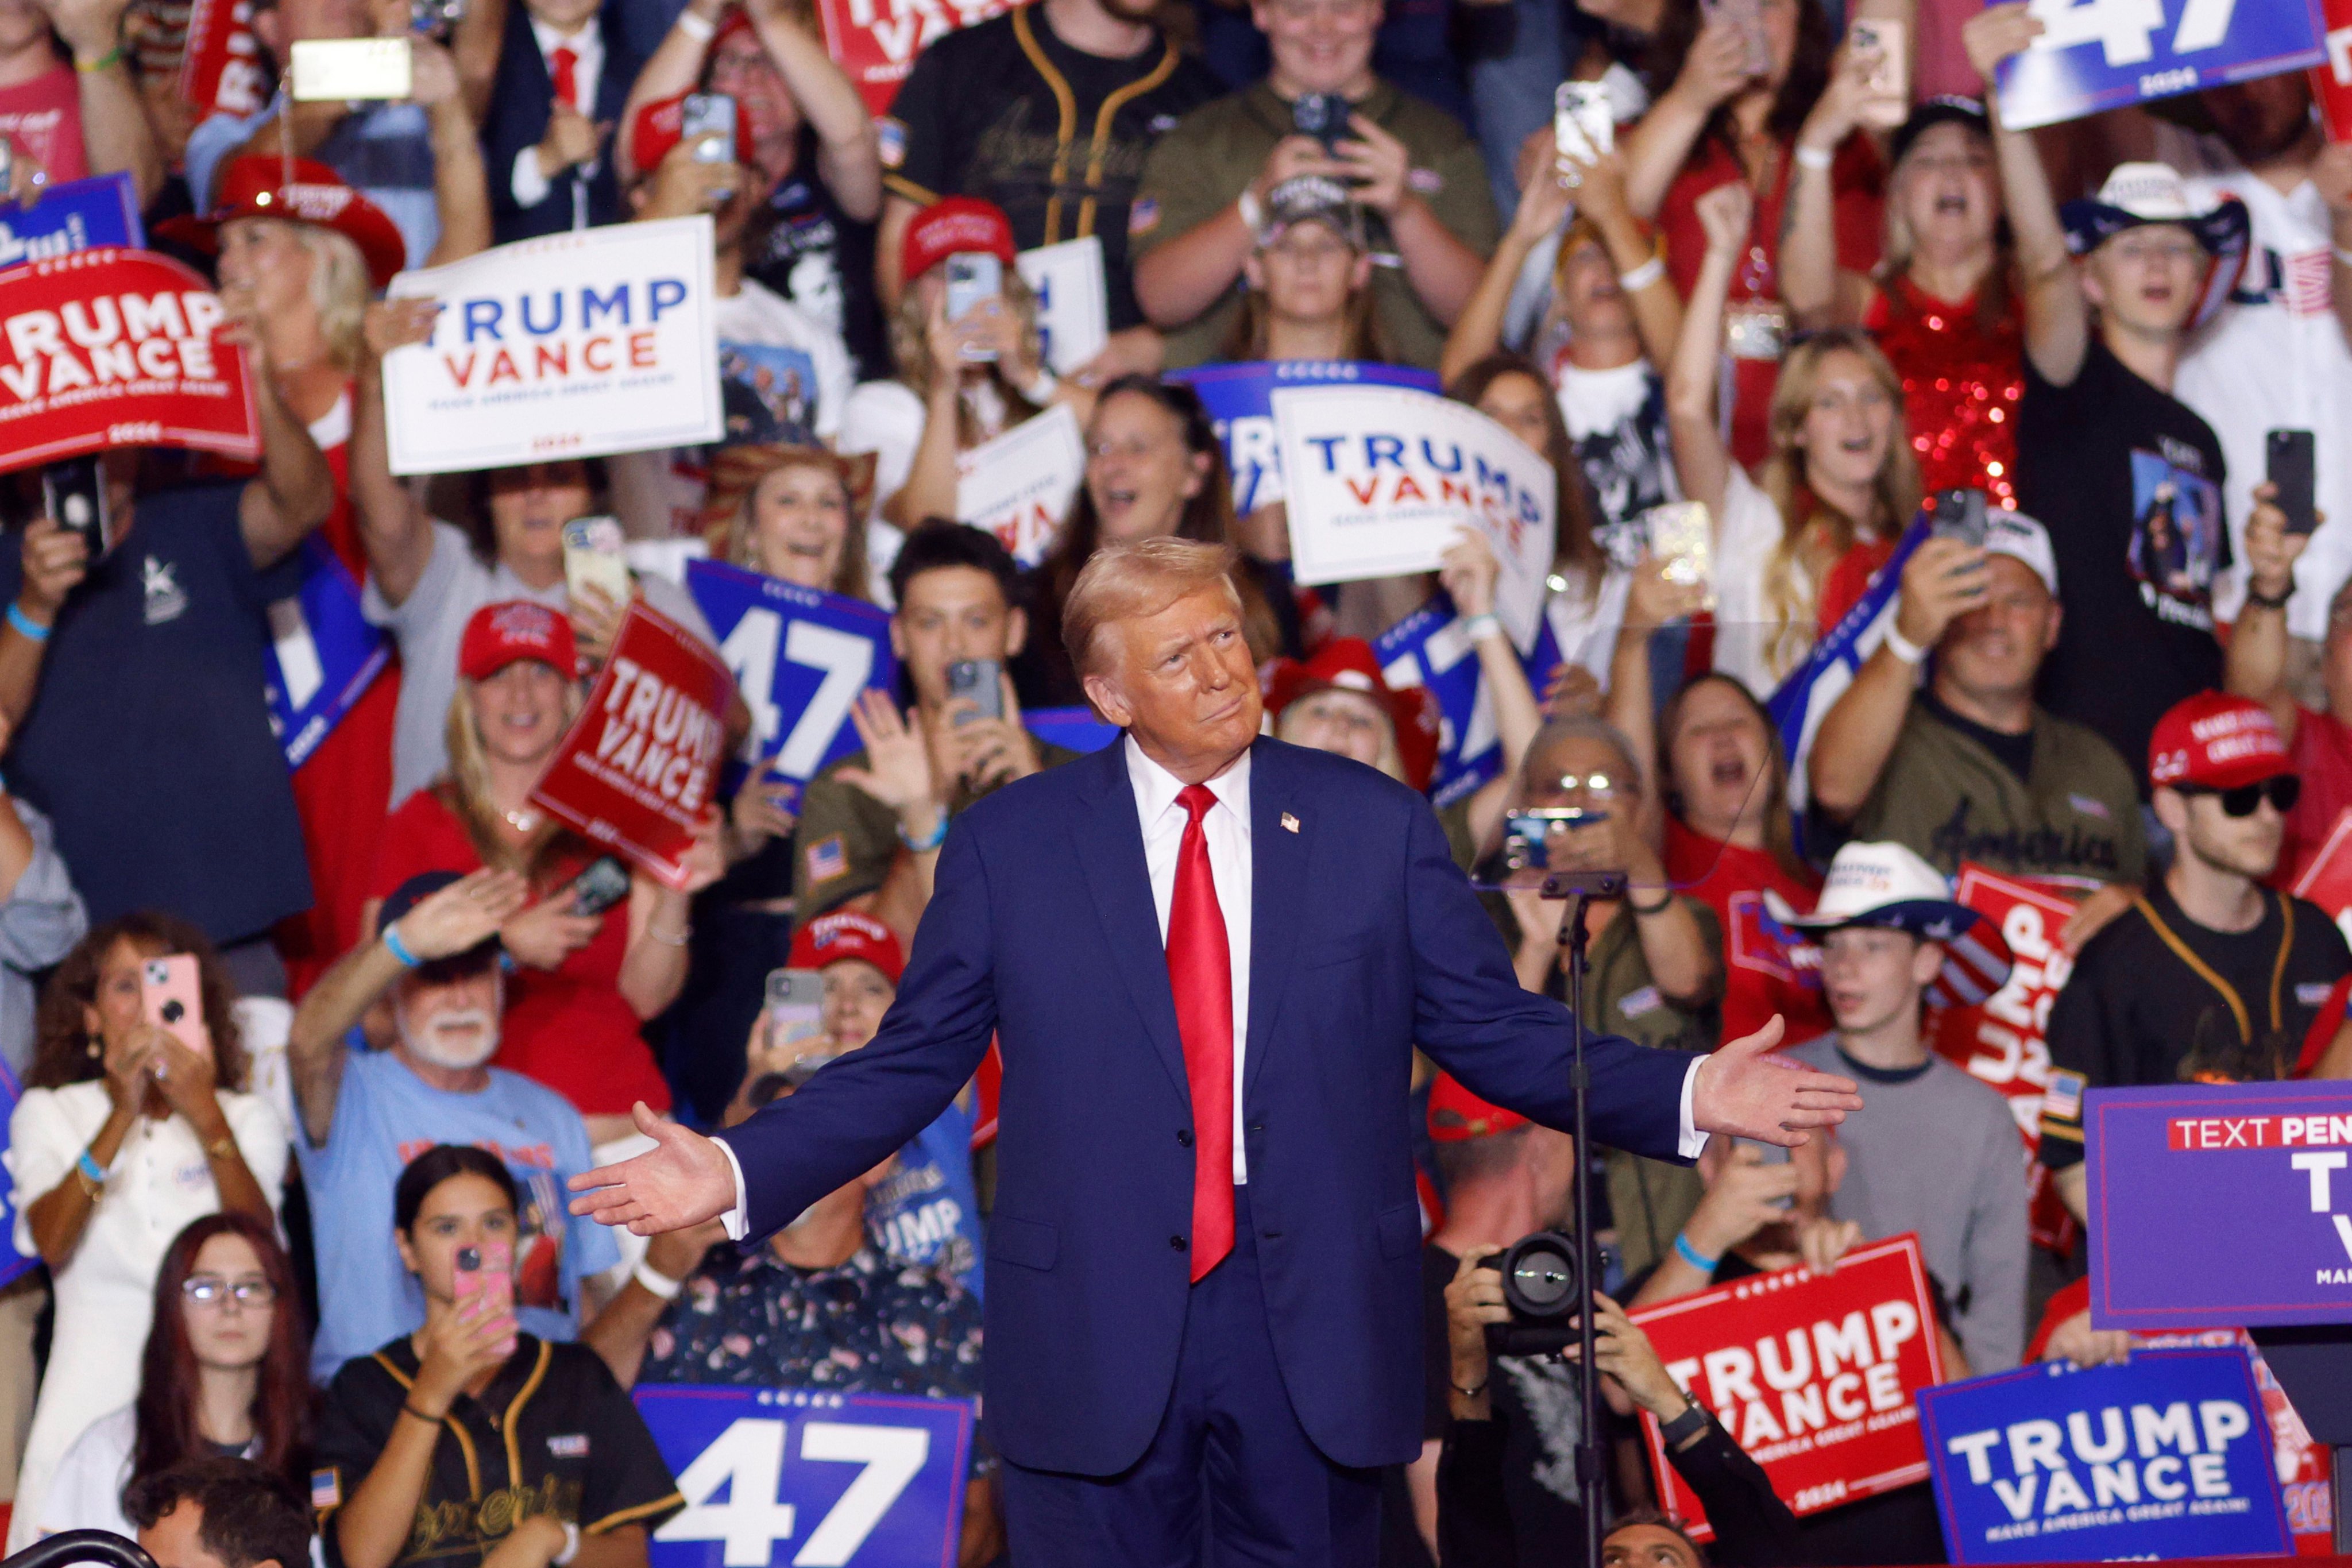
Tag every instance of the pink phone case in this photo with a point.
(494, 1278)
(170, 998)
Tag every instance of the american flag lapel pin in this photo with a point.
(1289, 823)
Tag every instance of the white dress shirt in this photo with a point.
(1226, 826)
(587, 45)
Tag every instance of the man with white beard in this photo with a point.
(436, 960)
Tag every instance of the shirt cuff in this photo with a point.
(528, 186)
(738, 1220)
(1690, 1142)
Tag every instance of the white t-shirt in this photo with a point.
(785, 377)
(430, 624)
(1746, 532)
(2274, 359)
(159, 1183)
(1585, 626)
(887, 418)
(1617, 420)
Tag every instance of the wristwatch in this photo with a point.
(1683, 1428)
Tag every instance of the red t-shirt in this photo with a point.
(1761, 976)
(1857, 212)
(43, 118)
(569, 1029)
(343, 788)
(2323, 755)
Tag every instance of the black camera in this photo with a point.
(1545, 1290)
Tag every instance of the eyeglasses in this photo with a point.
(212, 1290)
(2283, 790)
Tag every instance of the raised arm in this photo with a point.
(1182, 277)
(54, 563)
(1702, 461)
(2057, 317)
(475, 45)
(1944, 580)
(1651, 602)
(848, 154)
(461, 186)
(675, 68)
(1468, 573)
(2255, 664)
(116, 136)
(1543, 207)
(296, 490)
(1442, 267)
(392, 526)
(1817, 293)
(1657, 148)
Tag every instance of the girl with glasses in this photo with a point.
(224, 1375)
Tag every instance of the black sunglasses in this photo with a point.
(2283, 790)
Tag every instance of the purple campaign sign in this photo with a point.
(2216, 1206)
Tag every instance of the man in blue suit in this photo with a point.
(1208, 956)
(564, 73)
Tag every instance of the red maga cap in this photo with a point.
(502, 633)
(1457, 1116)
(659, 126)
(1348, 664)
(255, 185)
(847, 933)
(951, 228)
(2213, 741)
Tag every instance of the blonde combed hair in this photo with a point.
(1814, 534)
(339, 289)
(1124, 582)
(466, 791)
(910, 348)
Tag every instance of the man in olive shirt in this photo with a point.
(1416, 171)
(958, 593)
(1970, 768)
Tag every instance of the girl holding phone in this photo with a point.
(125, 1135)
(469, 1441)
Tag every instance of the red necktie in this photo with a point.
(1200, 974)
(567, 79)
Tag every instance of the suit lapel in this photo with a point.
(1278, 856)
(1109, 840)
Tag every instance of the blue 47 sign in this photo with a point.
(2094, 55)
(2166, 1454)
(809, 1479)
(800, 657)
(1429, 649)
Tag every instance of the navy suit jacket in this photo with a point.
(522, 96)
(1365, 940)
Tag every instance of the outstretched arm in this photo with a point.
(849, 1116)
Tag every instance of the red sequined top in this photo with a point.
(1961, 382)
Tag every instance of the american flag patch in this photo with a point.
(326, 1489)
(827, 858)
(2063, 1098)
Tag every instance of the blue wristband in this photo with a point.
(89, 1167)
(938, 835)
(26, 626)
(399, 949)
(1693, 1256)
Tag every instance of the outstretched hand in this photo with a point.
(685, 1181)
(1745, 1090)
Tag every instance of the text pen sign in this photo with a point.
(638, 768)
(573, 345)
(800, 657)
(2095, 54)
(2166, 1454)
(1814, 1374)
(808, 1478)
(2220, 1204)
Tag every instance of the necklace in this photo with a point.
(521, 821)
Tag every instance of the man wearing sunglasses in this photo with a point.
(2209, 976)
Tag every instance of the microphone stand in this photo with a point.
(1580, 888)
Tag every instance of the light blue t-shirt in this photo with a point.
(386, 1116)
(385, 150)
(928, 1211)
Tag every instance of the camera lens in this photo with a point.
(174, 1010)
(1541, 1276)
(1542, 1279)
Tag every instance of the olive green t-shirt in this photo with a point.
(1945, 797)
(1210, 158)
(846, 839)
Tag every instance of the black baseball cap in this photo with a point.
(414, 891)
(1948, 109)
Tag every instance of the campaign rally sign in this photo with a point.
(82, 215)
(2220, 1204)
(1019, 486)
(799, 656)
(2300, 1462)
(1812, 689)
(1814, 1374)
(1429, 648)
(12, 1262)
(639, 766)
(2327, 876)
(2331, 79)
(875, 43)
(2166, 1454)
(322, 656)
(220, 66)
(1073, 309)
(2097, 55)
(1382, 480)
(2005, 1039)
(115, 348)
(574, 345)
(804, 1476)
(1240, 401)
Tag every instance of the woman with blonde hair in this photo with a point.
(961, 383)
(1793, 552)
(601, 948)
